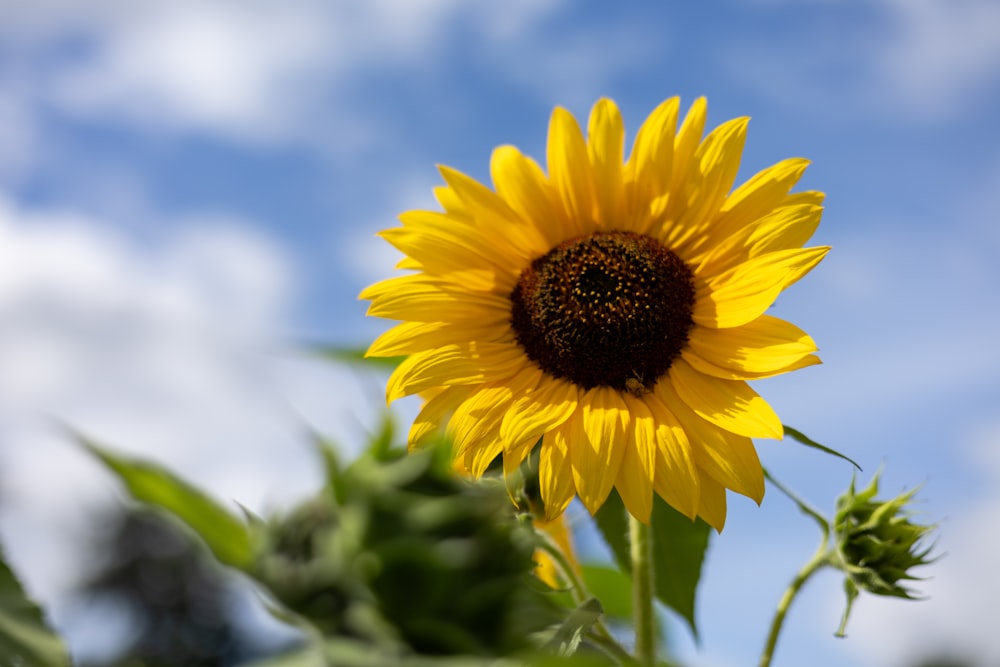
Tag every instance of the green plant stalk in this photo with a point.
(641, 552)
(578, 589)
(819, 560)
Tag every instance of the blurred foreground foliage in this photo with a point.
(395, 561)
(178, 605)
(25, 638)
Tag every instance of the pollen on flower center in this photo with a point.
(612, 309)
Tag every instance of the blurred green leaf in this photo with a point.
(355, 355)
(310, 656)
(612, 522)
(802, 438)
(25, 639)
(567, 636)
(612, 587)
(382, 441)
(679, 546)
(227, 537)
(331, 465)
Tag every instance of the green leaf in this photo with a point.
(567, 636)
(612, 587)
(612, 522)
(310, 656)
(679, 546)
(24, 637)
(227, 537)
(802, 438)
(354, 355)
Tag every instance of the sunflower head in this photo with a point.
(608, 311)
(399, 554)
(878, 544)
(878, 541)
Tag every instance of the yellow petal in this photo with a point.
(762, 193)
(434, 415)
(597, 459)
(569, 170)
(539, 411)
(676, 478)
(707, 368)
(728, 458)
(478, 459)
(718, 160)
(471, 363)
(452, 204)
(523, 185)
(732, 461)
(606, 143)
(555, 475)
(446, 255)
(712, 504)
(411, 337)
(784, 228)
(492, 215)
(514, 456)
(650, 166)
(728, 404)
(686, 142)
(761, 345)
(808, 197)
(478, 418)
(424, 299)
(635, 478)
(743, 293)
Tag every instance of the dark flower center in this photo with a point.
(612, 309)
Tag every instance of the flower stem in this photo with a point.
(642, 592)
(578, 590)
(818, 561)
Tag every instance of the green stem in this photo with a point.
(613, 650)
(642, 592)
(578, 589)
(818, 561)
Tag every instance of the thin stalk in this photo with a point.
(578, 590)
(642, 592)
(613, 650)
(818, 561)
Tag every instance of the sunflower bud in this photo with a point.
(402, 556)
(878, 543)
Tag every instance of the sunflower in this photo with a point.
(609, 312)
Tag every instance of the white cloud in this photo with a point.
(940, 53)
(171, 352)
(909, 60)
(221, 67)
(573, 68)
(250, 70)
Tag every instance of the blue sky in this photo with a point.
(185, 188)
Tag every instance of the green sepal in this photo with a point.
(226, 536)
(25, 639)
